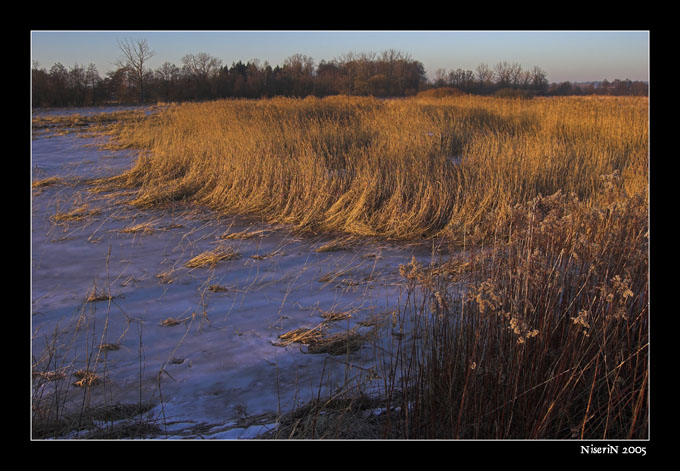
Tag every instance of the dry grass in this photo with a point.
(49, 375)
(342, 243)
(45, 182)
(551, 340)
(335, 418)
(319, 339)
(118, 421)
(98, 295)
(217, 289)
(338, 344)
(108, 347)
(334, 316)
(171, 321)
(145, 228)
(548, 197)
(400, 169)
(77, 214)
(212, 257)
(168, 276)
(86, 378)
(243, 235)
(301, 335)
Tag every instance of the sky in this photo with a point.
(575, 56)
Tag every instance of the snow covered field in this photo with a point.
(112, 294)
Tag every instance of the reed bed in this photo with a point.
(400, 169)
(548, 198)
(551, 339)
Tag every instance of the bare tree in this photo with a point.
(440, 77)
(135, 54)
(515, 72)
(299, 65)
(201, 65)
(390, 58)
(503, 72)
(166, 76)
(484, 74)
(539, 80)
(347, 63)
(93, 79)
(525, 79)
(299, 69)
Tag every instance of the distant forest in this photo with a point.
(203, 77)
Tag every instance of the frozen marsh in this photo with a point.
(207, 347)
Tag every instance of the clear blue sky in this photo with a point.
(564, 55)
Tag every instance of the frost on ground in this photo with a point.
(119, 315)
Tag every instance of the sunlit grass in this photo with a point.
(551, 339)
(547, 196)
(392, 168)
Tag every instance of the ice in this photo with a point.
(218, 363)
(85, 111)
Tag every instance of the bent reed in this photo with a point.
(548, 197)
(398, 169)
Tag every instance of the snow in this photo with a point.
(219, 364)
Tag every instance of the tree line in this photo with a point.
(202, 76)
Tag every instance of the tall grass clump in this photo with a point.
(401, 169)
(550, 340)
